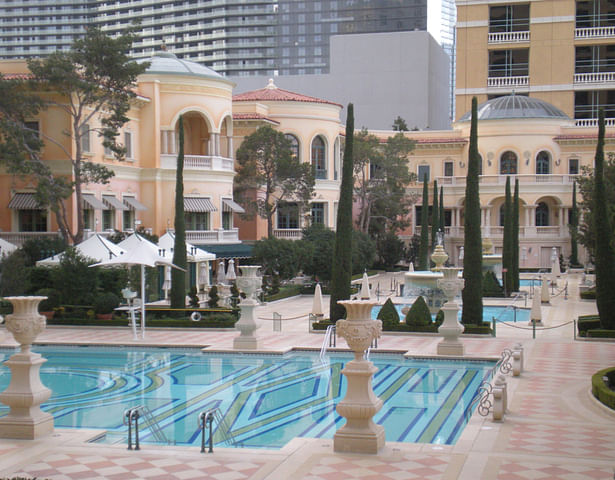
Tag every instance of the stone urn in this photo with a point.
(25, 392)
(360, 434)
(450, 329)
(439, 257)
(249, 283)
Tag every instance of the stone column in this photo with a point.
(360, 434)
(450, 329)
(248, 283)
(25, 393)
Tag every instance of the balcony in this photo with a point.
(508, 82)
(501, 179)
(594, 78)
(594, 32)
(288, 233)
(525, 232)
(593, 122)
(19, 238)
(212, 236)
(198, 162)
(508, 37)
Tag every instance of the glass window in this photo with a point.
(508, 163)
(573, 166)
(197, 220)
(128, 144)
(423, 170)
(319, 157)
(318, 213)
(448, 169)
(128, 219)
(288, 215)
(294, 145)
(108, 218)
(32, 220)
(85, 138)
(227, 220)
(543, 163)
(542, 215)
(88, 218)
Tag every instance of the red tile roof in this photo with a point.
(275, 94)
(581, 137)
(253, 116)
(17, 76)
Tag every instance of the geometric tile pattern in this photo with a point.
(408, 467)
(115, 467)
(565, 440)
(511, 470)
(542, 405)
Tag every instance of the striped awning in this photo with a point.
(113, 203)
(24, 201)
(91, 202)
(198, 204)
(231, 206)
(133, 204)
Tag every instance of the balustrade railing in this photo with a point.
(508, 37)
(595, 32)
(597, 77)
(198, 162)
(516, 81)
(501, 179)
(288, 233)
(213, 236)
(593, 122)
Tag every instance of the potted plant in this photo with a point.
(104, 305)
(46, 307)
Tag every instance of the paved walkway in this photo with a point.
(554, 428)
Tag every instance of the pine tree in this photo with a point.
(515, 236)
(341, 270)
(441, 214)
(471, 294)
(507, 255)
(605, 258)
(435, 212)
(178, 278)
(424, 245)
(574, 228)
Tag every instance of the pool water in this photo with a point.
(501, 313)
(266, 400)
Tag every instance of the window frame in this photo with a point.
(319, 162)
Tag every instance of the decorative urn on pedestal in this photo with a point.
(248, 283)
(439, 256)
(450, 329)
(360, 434)
(25, 392)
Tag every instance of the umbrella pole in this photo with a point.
(142, 301)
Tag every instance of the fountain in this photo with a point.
(25, 393)
(360, 434)
(248, 283)
(450, 329)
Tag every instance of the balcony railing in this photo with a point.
(593, 122)
(288, 233)
(503, 82)
(198, 162)
(19, 238)
(598, 77)
(508, 37)
(501, 179)
(525, 232)
(595, 32)
(213, 236)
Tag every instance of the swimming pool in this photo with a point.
(266, 399)
(501, 313)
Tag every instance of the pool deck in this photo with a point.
(554, 428)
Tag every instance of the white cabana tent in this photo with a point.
(194, 255)
(142, 252)
(96, 247)
(6, 248)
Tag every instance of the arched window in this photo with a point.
(542, 215)
(508, 163)
(294, 145)
(319, 157)
(543, 163)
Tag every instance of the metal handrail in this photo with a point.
(330, 340)
(207, 417)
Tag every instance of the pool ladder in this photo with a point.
(207, 418)
(132, 416)
(329, 340)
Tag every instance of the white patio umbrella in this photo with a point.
(317, 302)
(166, 285)
(230, 271)
(96, 247)
(194, 253)
(6, 248)
(365, 293)
(140, 252)
(221, 276)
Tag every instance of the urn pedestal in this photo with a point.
(248, 283)
(450, 329)
(25, 392)
(360, 434)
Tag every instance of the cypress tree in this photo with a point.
(424, 245)
(471, 294)
(341, 269)
(507, 255)
(441, 214)
(574, 228)
(605, 258)
(435, 211)
(178, 278)
(515, 235)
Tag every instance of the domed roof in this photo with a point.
(515, 106)
(167, 63)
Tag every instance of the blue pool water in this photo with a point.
(266, 399)
(501, 314)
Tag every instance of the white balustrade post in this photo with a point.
(248, 283)
(519, 348)
(498, 404)
(500, 383)
(450, 329)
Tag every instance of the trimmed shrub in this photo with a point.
(213, 320)
(472, 329)
(322, 324)
(491, 285)
(587, 322)
(194, 299)
(439, 317)
(588, 294)
(419, 313)
(601, 333)
(600, 390)
(53, 299)
(389, 316)
(213, 297)
(106, 303)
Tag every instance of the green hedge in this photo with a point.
(601, 333)
(285, 292)
(213, 320)
(587, 322)
(588, 295)
(472, 329)
(322, 325)
(600, 390)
